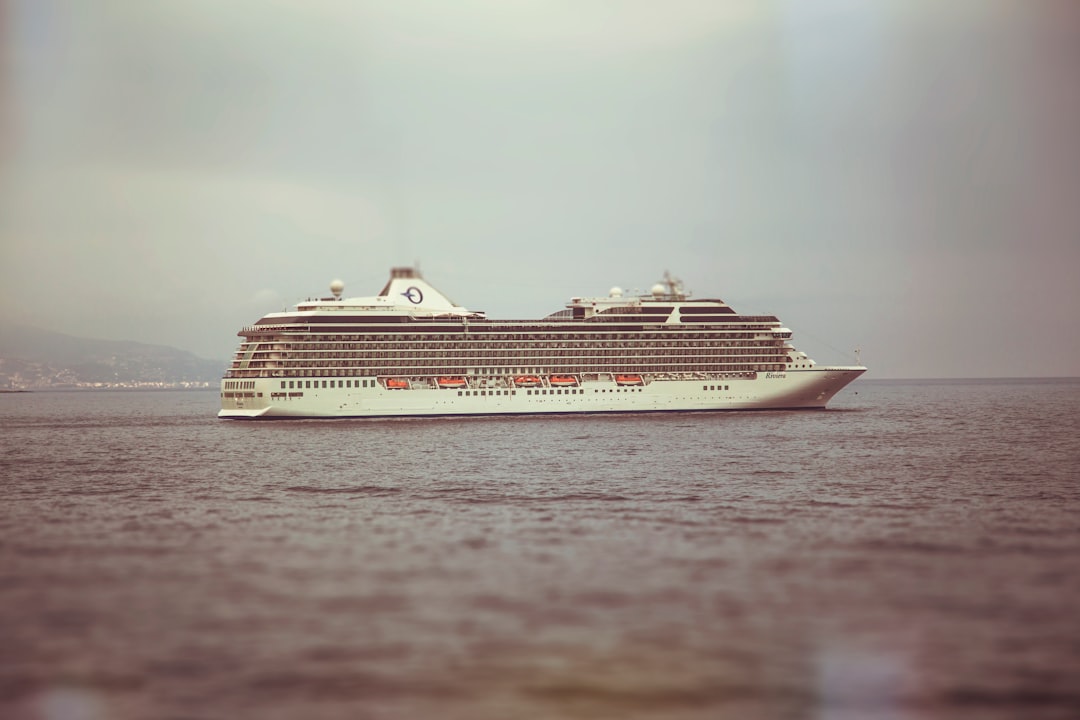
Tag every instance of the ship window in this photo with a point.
(308, 383)
(459, 393)
(290, 384)
(282, 384)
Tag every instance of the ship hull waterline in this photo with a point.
(273, 398)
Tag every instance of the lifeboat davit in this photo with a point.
(527, 381)
(629, 380)
(451, 382)
(563, 380)
(397, 383)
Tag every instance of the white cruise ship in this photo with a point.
(411, 351)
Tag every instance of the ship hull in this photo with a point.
(272, 398)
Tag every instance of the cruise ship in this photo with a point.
(410, 351)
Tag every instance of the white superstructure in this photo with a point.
(411, 351)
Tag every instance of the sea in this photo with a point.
(912, 552)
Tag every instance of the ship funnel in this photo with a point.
(406, 287)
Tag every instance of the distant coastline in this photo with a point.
(162, 387)
(36, 359)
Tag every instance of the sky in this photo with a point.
(898, 176)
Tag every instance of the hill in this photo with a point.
(32, 358)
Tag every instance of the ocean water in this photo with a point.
(912, 552)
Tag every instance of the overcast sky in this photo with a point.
(903, 177)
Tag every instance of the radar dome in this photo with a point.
(336, 287)
(658, 290)
(615, 291)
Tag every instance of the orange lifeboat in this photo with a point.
(563, 381)
(527, 381)
(397, 383)
(451, 382)
(629, 380)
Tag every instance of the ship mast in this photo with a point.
(674, 286)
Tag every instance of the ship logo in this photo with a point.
(413, 295)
